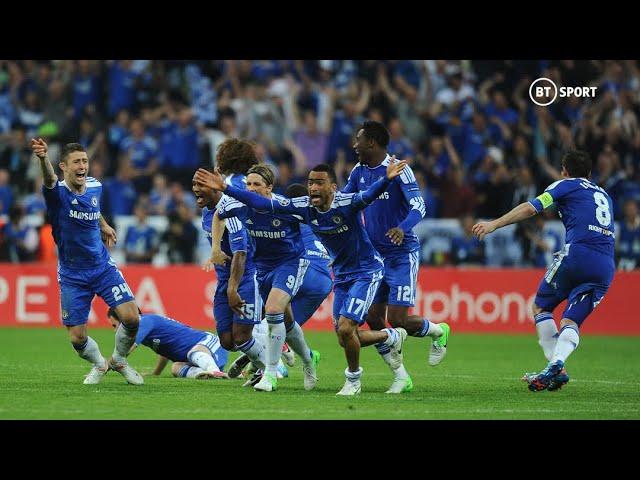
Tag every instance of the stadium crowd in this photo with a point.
(477, 144)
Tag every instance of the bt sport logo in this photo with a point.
(543, 92)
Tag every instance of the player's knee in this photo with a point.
(175, 368)
(345, 330)
(78, 338)
(130, 316)
(227, 343)
(535, 309)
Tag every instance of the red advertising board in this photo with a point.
(482, 300)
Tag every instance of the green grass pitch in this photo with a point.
(41, 378)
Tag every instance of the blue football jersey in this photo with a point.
(340, 229)
(315, 250)
(234, 239)
(586, 210)
(278, 238)
(392, 208)
(75, 222)
(167, 337)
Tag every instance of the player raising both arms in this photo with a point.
(581, 272)
(358, 269)
(389, 223)
(85, 267)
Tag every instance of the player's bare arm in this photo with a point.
(109, 235)
(218, 257)
(162, 362)
(519, 213)
(40, 150)
(236, 303)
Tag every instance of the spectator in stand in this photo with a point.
(182, 157)
(160, 196)
(20, 239)
(120, 192)
(399, 145)
(86, 88)
(181, 236)
(6, 193)
(628, 240)
(466, 249)
(141, 152)
(141, 239)
(457, 198)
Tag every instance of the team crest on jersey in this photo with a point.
(336, 219)
(284, 202)
(275, 222)
(94, 201)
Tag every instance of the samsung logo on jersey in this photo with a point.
(84, 215)
(335, 231)
(267, 234)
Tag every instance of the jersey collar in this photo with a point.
(385, 163)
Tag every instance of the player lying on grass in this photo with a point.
(194, 353)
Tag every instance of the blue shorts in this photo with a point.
(579, 274)
(78, 287)
(287, 276)
(315, 288)
(353, 295)
(398, 287)
(248, 291)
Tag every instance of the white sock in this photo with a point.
(400, 372)
(392, 336)
(568, 341)
(255, 350)
(547, 333)
(189, 371)
(90, 352)
(203, 360)
(353, 376)
(275, 340)
(295, 338)
(125, 338)
(435, 330)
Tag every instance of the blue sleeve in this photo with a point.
(411, 193)
(552, 194)
(51, 195)
(295, 206)
(352, 185)
(238, 238)
(144, 328)
(230, 207)
(367, 197)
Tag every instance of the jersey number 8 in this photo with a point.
(603, 215)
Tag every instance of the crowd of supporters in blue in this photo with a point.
(476, 142)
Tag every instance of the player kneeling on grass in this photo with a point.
(194, 353)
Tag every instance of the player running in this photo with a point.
(389, 223)
(85, 267)
(281, 268)
(358, 269)
(581, 272)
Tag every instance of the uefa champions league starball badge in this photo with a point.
(337, 220)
